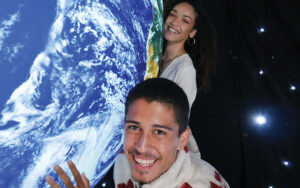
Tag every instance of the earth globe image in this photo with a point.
(66, 67)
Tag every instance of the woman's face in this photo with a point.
(179, 25)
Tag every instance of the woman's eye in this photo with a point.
(186, 21)
(171, 14)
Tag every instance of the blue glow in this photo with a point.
(261, 29)
(286, 163)
(292, 87)
(271, 186)
(260, 120)
(261, 72)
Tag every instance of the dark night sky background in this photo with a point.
(249, 155)
(246, 154)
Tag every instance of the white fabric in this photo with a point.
(188, 171)
(181, 71)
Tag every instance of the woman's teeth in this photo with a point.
(172, 30)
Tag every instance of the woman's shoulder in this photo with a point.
(180, 66)
(184, 57)
(183, 61)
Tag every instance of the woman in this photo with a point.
(189, 52)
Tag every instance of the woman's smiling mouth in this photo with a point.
(173, 30)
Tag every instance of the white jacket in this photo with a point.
(188, 171)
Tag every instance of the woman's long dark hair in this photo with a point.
(204, 52)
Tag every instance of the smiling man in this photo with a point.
(156, 133)
(155, 154)
(151, 138)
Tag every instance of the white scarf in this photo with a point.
(188, 171)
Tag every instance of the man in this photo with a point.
(155, 153)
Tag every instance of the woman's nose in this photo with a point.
(175, 21)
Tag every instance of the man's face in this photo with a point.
(151, 139)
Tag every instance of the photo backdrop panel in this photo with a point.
(65, 70)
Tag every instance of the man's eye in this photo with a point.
(132, 128)
(160, 132)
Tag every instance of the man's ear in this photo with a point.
(193, 33)
(184, 138)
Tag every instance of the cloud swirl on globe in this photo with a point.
(66, 68)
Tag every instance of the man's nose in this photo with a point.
(143, 143)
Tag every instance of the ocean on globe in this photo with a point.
(66, 67)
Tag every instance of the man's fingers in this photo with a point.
(63, 176)
(85, 180)
(51, 182)
(81, 180)
(76, 175)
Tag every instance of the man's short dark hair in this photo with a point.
(163, 91)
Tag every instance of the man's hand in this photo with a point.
(81, 180)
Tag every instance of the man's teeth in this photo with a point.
(172, 30)
(144, 162)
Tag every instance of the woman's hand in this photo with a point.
(81, 179)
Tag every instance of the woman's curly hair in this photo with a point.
(204, 52)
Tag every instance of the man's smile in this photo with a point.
(144, 162)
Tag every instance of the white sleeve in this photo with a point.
(186, 79)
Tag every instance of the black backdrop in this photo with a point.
(248, 155)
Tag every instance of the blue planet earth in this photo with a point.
(66, 67)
